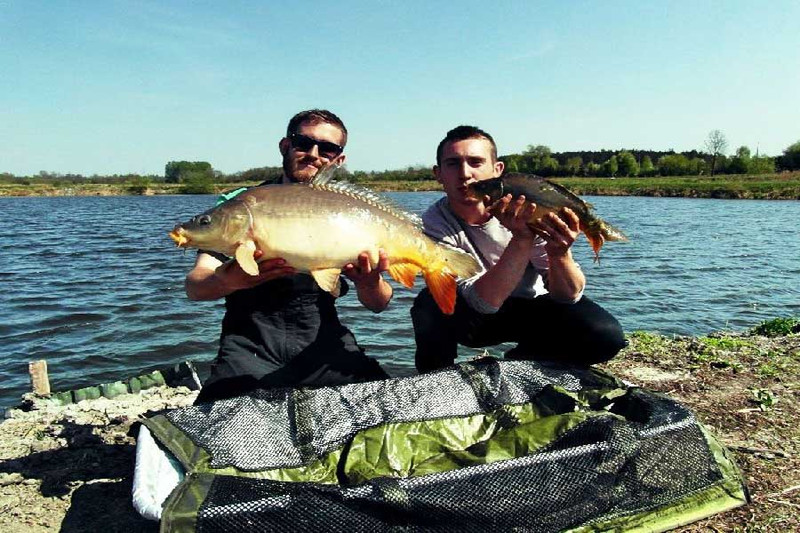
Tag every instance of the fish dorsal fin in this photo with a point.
(328, 280)
(547, 185)
(568, 193)
(370, 197)
(325, 175)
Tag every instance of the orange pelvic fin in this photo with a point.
(442, 285)
(404, 273)
(596, 241)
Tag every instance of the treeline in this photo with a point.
(201, 177)
(627, 163)
(194, 177)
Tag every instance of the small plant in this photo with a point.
(724, 343)
(777, 327)
(763, 398)
(646, 341)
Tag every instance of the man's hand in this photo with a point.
(363, 273)
(514, 215)
(559, 231)
(373, 291)
(231, 275)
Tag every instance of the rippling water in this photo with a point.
(95, 286)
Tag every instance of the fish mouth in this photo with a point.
(179, 237)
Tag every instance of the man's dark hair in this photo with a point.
(315, 116)
(462, 133)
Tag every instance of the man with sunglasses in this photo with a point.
(281, 329)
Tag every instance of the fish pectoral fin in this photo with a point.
(404, 273)
(442, 285)
(328, 280)
(244, 256)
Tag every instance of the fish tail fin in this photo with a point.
(404, 273)
(610, 233)
(442, 285)
(459, 263)
(440, 276)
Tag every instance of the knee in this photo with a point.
(609, 341)
(425, 313)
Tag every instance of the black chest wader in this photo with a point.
(285, 332)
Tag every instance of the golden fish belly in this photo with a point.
(328, 241)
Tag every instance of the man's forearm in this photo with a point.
(497, 284)
(204, 284)
(565, 280)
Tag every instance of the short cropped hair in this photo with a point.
(315, 116)
(462, 133)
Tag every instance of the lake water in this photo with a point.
(94, 285)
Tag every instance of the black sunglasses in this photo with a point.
(303, 143)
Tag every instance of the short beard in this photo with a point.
(290, 168)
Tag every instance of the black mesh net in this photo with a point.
(638, 451)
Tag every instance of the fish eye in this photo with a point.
(204, 220)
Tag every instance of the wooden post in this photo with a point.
(39, 380)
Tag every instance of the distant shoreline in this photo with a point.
(785, 186)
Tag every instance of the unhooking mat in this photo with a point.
(482, 446)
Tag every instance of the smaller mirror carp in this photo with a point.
(549, 197)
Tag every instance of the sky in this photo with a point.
(118, 87)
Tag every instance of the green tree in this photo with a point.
(539, 160)
(674, 165)
(539, 151)
(138, 184)
(791, 157)
(698, 166)
(627, 165)
(197, 183)
(716, 144)
(740, 163)
(177, 171)
(647, 168)
(610, 167)
(513, 162)
(547, 166)
(591, 169)
(260, 174)
(572, 167)
(762, 165)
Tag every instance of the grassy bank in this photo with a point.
(785, 186)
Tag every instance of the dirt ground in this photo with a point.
(71, 468)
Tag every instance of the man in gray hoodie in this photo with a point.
(531, 289)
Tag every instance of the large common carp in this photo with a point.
(320, 227)
(549, 197)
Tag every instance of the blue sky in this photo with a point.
(111, 87)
